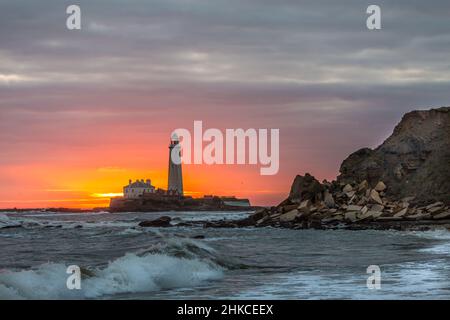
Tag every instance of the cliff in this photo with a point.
(413, 161)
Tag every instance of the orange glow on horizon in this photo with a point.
(85, 174)
(77, 191)
(107, 195)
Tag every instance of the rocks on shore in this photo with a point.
(312, 204)
(333, 205)
(160, 222)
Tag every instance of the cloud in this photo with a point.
(150, 42)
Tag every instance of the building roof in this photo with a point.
(139, 184)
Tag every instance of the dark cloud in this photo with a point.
(302, 66)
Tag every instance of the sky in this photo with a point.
(83, 111)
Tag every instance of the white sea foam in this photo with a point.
(56, 214)
(438, 234)
(129, 231)
(5, 221)
(32, 222)
(442, 235)
(398, 281)
(128, 274)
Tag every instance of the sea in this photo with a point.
(120, 260)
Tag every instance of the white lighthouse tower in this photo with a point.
(175, 183)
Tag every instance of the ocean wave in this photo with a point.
(6, 222)
(4, 218)
(441, 241)
(178, 263)
(437, 234)
(215, 216)
(59, 214)
(31, 222)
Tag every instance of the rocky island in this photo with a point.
(154, 202)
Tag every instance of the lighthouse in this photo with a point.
(175, 181)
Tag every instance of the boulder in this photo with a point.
(305, 188)
(443, 215)
(354, 208)
(259, 214)
(377, 208)
(275, 215)
(350, 194)
(380, 186)
(304, 206)
(375, 197)
(436, 210)
(403, 204)
(289, 216)
(350, 216)
(160, 222)
(347, 188)
(262, 220)
(329, 199)
(369, 214)
(289, 207)
(401, 213)
(436, 204)
(321, 206)
(363, 186)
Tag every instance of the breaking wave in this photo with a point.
(176, 264)
(7, 222)
(441, 239)
(31, 222)
(437, 234)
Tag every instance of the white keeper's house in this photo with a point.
(135, 190)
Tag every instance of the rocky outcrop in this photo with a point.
(163, 222)
(305, 188)
(413, 161)
(352, 206)
(337, 206)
